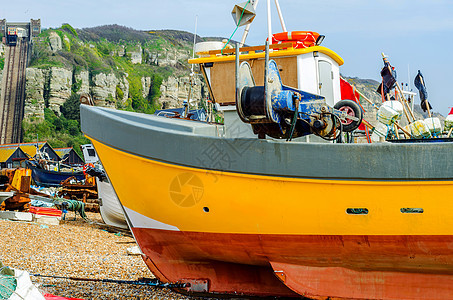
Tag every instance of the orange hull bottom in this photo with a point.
(315, 266)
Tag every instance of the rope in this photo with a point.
(294, 121)
(8, 285)
(72, 205)
(141, 281)
(237, 26)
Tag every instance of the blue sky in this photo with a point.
(416, 34)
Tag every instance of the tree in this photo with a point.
(71, 108)
(154, 90)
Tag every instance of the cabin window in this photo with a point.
(91, 152)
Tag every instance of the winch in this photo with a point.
(283, 112)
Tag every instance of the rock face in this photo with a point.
(60, 83)
(123, 85)
(104, 89)
(82, 81)
(174, 91)
(146, 85)
(55, 42)
(51, 88)
(34, 94)
(171, 57)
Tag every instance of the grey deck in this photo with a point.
(196, 144)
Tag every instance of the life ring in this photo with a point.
(300, 39)
(85, 166)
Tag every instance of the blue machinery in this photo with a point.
(284, 112)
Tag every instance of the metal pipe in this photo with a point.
(269, 21)
(247, 28)
(282, 21)
(237, 72)
(208, 83)
(194, 40)
(267, 94)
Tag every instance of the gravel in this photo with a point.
(77, 249)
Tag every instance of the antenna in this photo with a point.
(186, 110)
(194, 39)
(408, 77)
(269, 20)
(282, 21)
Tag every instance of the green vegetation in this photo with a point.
(2, 63)
(58, 131)
(68, 28)
(104, 49)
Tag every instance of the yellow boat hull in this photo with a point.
(226, 232)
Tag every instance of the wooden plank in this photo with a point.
(254, 48)
(223, 80)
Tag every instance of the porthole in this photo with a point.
(357, 211)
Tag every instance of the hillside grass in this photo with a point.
(59, 131)
(96, 50)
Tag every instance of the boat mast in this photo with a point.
(191, 81)
(282, 21)
(269, 25)
(247, 28)
(269, 21)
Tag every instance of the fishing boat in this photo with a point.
(48, 178)
(5, 195)
(109, 206)
(258, 207)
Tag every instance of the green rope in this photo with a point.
(237, 26)
(73, 205)
(8, 282)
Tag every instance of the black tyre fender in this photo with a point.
(352, 109)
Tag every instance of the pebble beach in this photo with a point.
(77, 248)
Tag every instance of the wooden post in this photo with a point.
(449, 133)
(405, 101)
(402, 129)
(399, 88)
(396, 131)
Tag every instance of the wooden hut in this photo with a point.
(12, 157)
(45, 150)
(68, 156)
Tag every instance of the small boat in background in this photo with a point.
(48, 178)
(110, 207)
(5, 195)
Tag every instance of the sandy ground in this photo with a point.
(77, 249)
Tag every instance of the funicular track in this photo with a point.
(13, 93)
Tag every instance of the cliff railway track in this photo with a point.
(13, 93)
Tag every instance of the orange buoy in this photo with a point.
(300, 39)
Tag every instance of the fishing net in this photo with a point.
(8, 282)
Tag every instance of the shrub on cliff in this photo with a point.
(71, 108)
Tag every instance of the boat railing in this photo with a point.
(250, 50)
(165, 113)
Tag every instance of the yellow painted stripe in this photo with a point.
(243, 203)
(280, 53)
